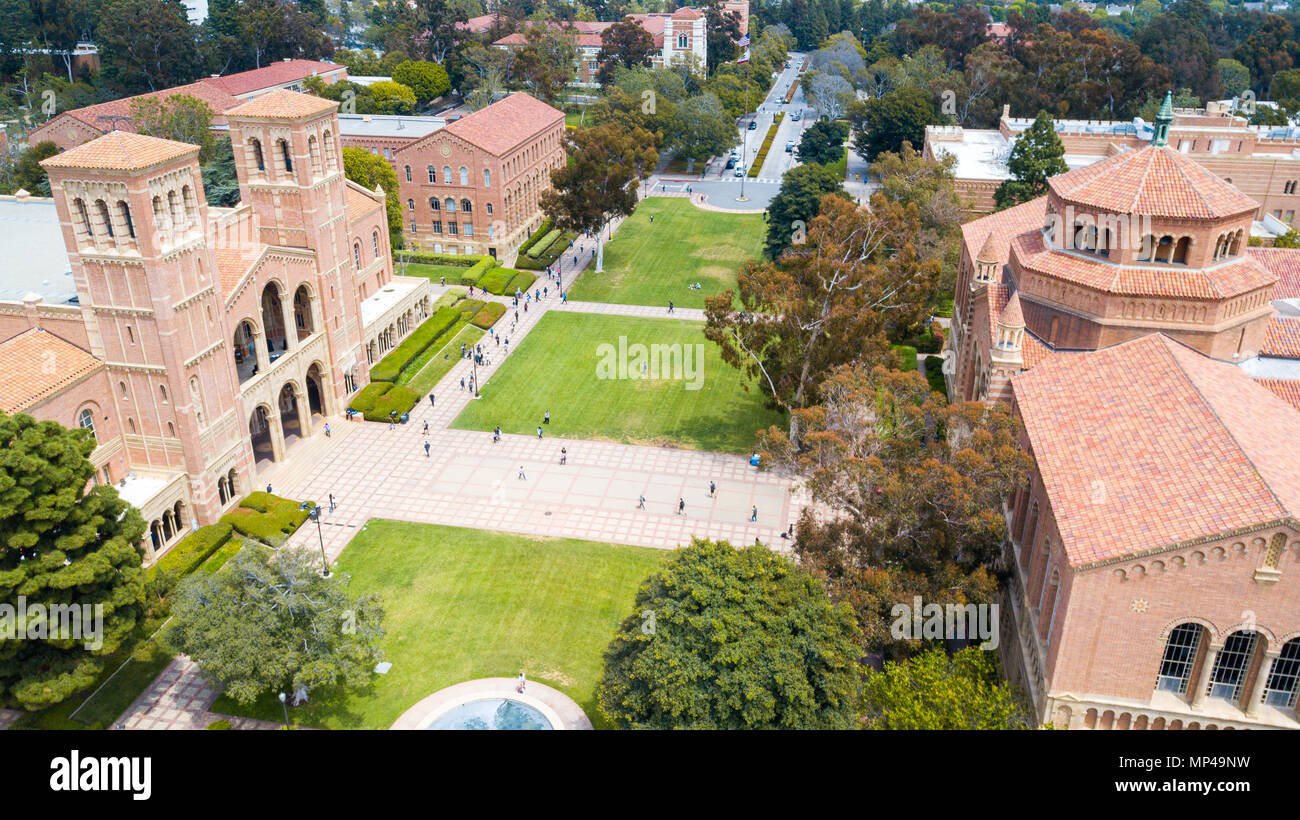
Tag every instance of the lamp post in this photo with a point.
(473, 357)
(313, 512)
(285, 707)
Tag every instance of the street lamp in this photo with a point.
(285, 707)
(473, 358)
(313, 512)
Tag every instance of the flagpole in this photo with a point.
(744, 146)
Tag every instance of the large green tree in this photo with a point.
(934, 690)
(885, 123)
(627, 44)
(701, 129)
(179, 117)
(270, 622)
(599, 183)
(147, 45)
(426, 79)
(371, 171)
(823, 142)
(61, 545)
(795, 205)
(1037, 156)
(727, 638)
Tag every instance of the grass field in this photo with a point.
(462, 604)
(650, 263)
(433, 272)
(555, 370)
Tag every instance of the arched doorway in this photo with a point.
(302, 316)
(315, 391)
(273, 321)
(259, 433)
(290, 422)
(245, 350)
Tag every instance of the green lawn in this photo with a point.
(462, 604)
(555, 370)
(651, 263)
(432, 272)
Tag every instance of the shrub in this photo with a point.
(495, 280)
(543, 230)
(545, 243)
(189, 553)
(934, 375)
(523, 281)
(268, 518)
(475, 272)
(218, 725)
(489, 315)
(390, 367)
(455, 260)
(469, 307)
(368, 395)
(765, 147)
(400, 398)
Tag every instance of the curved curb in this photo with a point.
(558, 708)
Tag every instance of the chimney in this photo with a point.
(31, 304)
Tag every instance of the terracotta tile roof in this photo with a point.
(104, 117)
(1011, 315)
(1286, 389)
(506, 123)
(120, 151)
(283, 103)
(232, 264)
(1152, 181)
(285, 71)
(1218, 282)
(359, 204)
(1033, 351)
(1283, 338)
(1284, 263)
(686, 13)
(1148, 443)
(38, 365)
(991, 235)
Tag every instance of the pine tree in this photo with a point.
(60, 545)
(1037, 156)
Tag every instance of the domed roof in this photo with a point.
(1152, 181)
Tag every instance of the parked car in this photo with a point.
(740, 170)
(731, 162)
(753, 125)
(796, 116)
(789, 147)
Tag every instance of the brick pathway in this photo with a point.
(180, 698)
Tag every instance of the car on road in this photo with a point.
(789, 146)
(753, 125)
(731, 162)
(740, 170)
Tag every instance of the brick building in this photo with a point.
(475, 185)
(1263, 162)
(200, 342)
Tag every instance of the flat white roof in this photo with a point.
(983, 154)
(374, 307)
(138, 490)
(388, 125)
(35, 259)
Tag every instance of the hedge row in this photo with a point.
(455, 260)
(399, 398)
(489, 315)
(390, 367)
(765, 147)
(551, 245)
(268, 518)
(545, 243)
(495, 280)
(543, 230)
(192, 551)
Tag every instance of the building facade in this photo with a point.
(475, 185)
(209, 340)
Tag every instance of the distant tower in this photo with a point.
(290, 168)
(1164, 118)
(134, 215)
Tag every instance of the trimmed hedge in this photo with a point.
(489, 315)
(365, 400)
(542, 230)
(400, 398)
(453, 259)
(765, 147)
(390, 367)
(541, 249)
(545, 243)
(495, 280)
(268, 518)
(475, 272)
(192, 550)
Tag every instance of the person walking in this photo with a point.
(681, 506)
(713, 490)
(327, 429)
(426, 450)
(640, 504)
(753, 515)
(426, 428)
(522, 477)
(431, 400)
(564, 456)
(332, 504)
(268, 489)
(670, 306)
(462, 382)
(539, 431)
(546, 417)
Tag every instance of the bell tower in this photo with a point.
(134, 221)
(290, 168)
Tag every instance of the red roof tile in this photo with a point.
(275, 74)
(1152, 181)
(1148, 444)
(506, 123)
(1286, 389)
(1283, 338)
(1284, 263)
(115, 115)
(121, 151)
(39, 364)
(991, 235)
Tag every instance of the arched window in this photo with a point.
(682, 42)
(101, 210)
(256, 145)
(451, 204)
(86, 421)
(1146, 251)
(356, 255)
(162, 389)
(130, 425)
(410, 204)
(1164, 249)
(174, 211)
(313, 153)
(171, 430)
(464, 175)
(330, 160)
(124, 211)
(434, 204)
(1234, 247)
(1280, 688)
(466, 206)
(374, 243)
(487, 178)
(83, 216)
(284, 155)
(446, 174)
(433, 175)
(1181, 248)
(1231, 665)
(191, 206)
(1180, 655)
(122, 387)
(408, 173)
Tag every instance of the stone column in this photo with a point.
(290, 326)
(304, 413)
(1256, 694)
(1202, 680)
(277, 437)
(259, 350)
